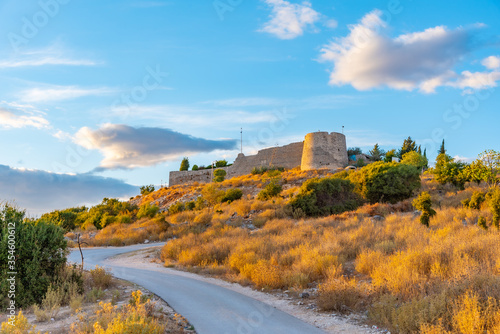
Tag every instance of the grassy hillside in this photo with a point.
(275, 230)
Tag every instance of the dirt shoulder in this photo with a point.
(302, 308)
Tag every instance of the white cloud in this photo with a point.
(14, 115)
(491, 62)
(332, 24)
(52, 55)
(125, 147)
(288, 21)
(59, 93)
(367, 58)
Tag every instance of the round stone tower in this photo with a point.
(324, 150)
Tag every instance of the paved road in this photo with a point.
(211, 309)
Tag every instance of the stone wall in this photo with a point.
(318, 150)
(204, 176)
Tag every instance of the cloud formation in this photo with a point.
(13, 115)
(367, 58)
(61, 93)
(125, 147)
(40, 191)
(52, 55)
(288, 21)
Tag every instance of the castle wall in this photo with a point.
(324, 150)
(288, 156)
(204, 176)
(318, 150)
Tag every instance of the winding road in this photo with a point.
(211, 309)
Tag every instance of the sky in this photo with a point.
(98, 98)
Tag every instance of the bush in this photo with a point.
(232, 195)
(176, 208)
(40, 254)
(423, 203)
(273, 189)
(415, 159)
(263, 169)
(476, 200)
(147, 210)
(325, 196)
(189, 206)
(386, 182)
(195, 167)
(184, 164)
(101, 277)
(360, 162)
(221, 163)
(145, 190)
(493, 198)
(219, 175)
(448, 170)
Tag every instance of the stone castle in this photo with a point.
(319, 150)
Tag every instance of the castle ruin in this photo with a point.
(319, 150)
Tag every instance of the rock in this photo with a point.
(304, 295)
(377, 218)
(146, 241)
(416, 213)
(251, 227)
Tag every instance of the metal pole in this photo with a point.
(241, 140)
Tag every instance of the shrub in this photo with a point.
(232, 195)
(147, 210)
(273, 189)
(146, 190)
(101, 277)
(447, 170)
(21, 326)
(476, 200)
(176, 208)
(424, 204)
(195, 167)
(40, 255)
(493, 198)
(221, 163)
(219, 175)
(415, 159)
(360, 162)
(189, 206)
(386, 182)
(325, 196)
(481, 222)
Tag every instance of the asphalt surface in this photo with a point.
(211, 309)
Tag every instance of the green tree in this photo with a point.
(68, 219)
(319, 197)
(490, 160)
(195, 167)
(146, 190)
(414, 159)
(221, 163)
(408, 146)
(386, 182)
(493, 198)
(376, 153)
(39, 251)
(447, 170)
(424, 203)
(219, 175)
(389, 155)
(442, 150)
(184, 164)
(147, 210)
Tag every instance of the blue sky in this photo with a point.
(100, 97)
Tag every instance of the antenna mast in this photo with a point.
(241, 140)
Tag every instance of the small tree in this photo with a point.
(195, 167)
(376, 153)
(221, 163)
(493, 198)
(184, 164)
(219, 175)
(424, 204)
(408, 146)
(413, 158)
(145, 190)
(447, 170)
(442, 150)
(389, 155)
